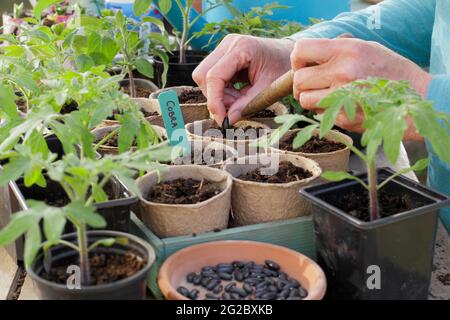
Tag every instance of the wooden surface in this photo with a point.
(8, 270)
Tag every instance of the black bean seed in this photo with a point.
(293, 298)
(184, 291)
(272, 288)
(245, 272)
(257, 267)
(217, 289)
(197, 279)
(238, 264)
(294, 293)
(225, 276)
(259, 294)
(284, 294)
(295, 283)
(212, 284)
(240, 292)
(253, 281)
(280, 298)
(234, 296)
(282, 275)
(226, 296)
(247, 288)
(238, 276)
(205, 281)
(261, 285)
(249, 264)
(210, 274)
(272, 265)
(302, 292)
(211, 296)
(209, 268)
(190, 277)
(224, 265)
(269, 296)
(193, 294)
(230, 286)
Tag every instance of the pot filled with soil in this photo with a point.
(111, 145)
(207, 153)
(240, 137)
(144, 88)
(188, 199)
(179, 74)
(328, 152)
(192, 102)
(240, 270)
(387, 258)
(265, 187)
(267, 116)
(117, 272)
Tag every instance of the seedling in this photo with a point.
(387, 107)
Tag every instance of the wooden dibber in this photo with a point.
(277, 90)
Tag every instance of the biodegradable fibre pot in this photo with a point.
(131, 288)
(191, 259)
(237, 139)
(328, 161)
(210, 153)
(191, 111)
(171, 220)
(179, 74)
(278, 109)
(101, 132)
(258, 202)
(389, 258)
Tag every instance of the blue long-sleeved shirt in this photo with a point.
(418, 30)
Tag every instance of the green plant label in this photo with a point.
(173, 120)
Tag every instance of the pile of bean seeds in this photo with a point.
(243, 281)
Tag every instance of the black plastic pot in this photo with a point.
(179, 74)
(132, 288)
(400, 246)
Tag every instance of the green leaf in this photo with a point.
(303, 136)
(14, 169)
(54, 222)
(128, 131)
(7, 101)
(32, 244)
(144, 67)
(19, 225)
(165, 6)
(420, 165)
(84, 62)
(80, 214)
(120, 20)
(41, 5)
(329, 119)
(155, 21)
(140, 7)
(340, 176)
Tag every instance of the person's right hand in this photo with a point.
(240, 58)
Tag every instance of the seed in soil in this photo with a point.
(314, 145)
(274, 285)
(141, 92)
(192, 95)
(286, 173)
(183, 191)
(105, 268)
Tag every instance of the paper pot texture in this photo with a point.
(208, 130)
(191, 111)
(171, 220)
(257, 202)
(328, 161)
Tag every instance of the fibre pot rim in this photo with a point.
(227, 177)
(438, 199)
(316, 131)
(169, 292)
(283, 157)
(92, 288)
(154, 95)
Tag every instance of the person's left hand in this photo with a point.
(322, 65)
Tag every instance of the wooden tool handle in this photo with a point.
(280, 88)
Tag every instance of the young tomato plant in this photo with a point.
(387, 106)
(255, 22)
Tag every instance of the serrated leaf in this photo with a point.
(84, 62)
(165, 6)
(54, 222)
(32, 244)
(329, 119)
(303, 136)
(80, 214)
(19, 225)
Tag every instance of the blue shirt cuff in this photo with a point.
(439, 92)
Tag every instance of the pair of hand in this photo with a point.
(320, 65)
